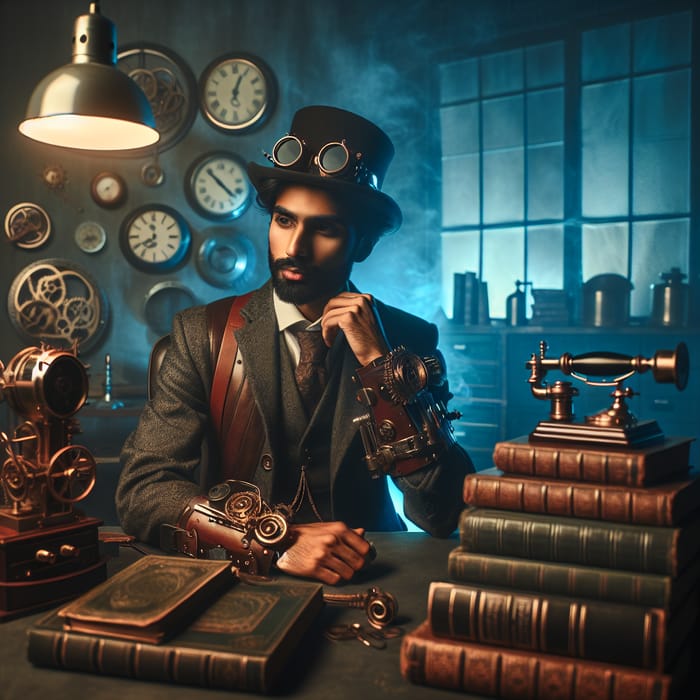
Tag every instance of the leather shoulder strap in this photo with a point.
(223, 318)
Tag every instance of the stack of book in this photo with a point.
(577, 576)
(551, 307)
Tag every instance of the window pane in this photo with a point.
(604, 248)
(657, 246)
(604, 125)
(460, 129)
(459, 80)
(545, 182)
(503, 186)
(504, 262)
(460, 253)
(661, 149)
(503, 122)
(545, 257)
(545, 116)
(544, 64)
(502, 72)
(661, 42)
(605, 53)
(460, 191)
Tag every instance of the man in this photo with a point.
(326, 213)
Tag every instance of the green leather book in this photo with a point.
(613, 585)
(563, 539)
(242, 641)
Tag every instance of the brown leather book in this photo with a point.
(666, 505)
(242, 641)
(510, 673)
(641, 466)
(150, 600)
(631, 635)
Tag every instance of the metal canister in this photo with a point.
(670, 300)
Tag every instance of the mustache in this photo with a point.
(282, 263)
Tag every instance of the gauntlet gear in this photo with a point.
(231, 522)
(406, 427)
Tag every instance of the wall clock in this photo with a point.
(108, 189)
(237, 92)
(27, 225)
(90, 237)
(155, 238)
(169, 85)
(217, 186)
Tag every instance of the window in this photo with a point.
(505, 201)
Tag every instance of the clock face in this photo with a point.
(237, 92)
(217, 186)
(108, 190)
(155, 238)
(90, 237)
(27, 225)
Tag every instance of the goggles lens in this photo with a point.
(287, 151)
(333, 158)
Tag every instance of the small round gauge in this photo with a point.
(108, 189)
(90, 236)
(217, 186)
(155, 238)
(27, 225)
(152, 174)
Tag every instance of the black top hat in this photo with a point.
(318, 130)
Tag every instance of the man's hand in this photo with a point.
(329, 552)
(356, 316)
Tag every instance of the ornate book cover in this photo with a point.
(640, 466)
(149, 600)
(640, 548)
(653, 590)
(631, 635)
(666, 505)
(241, 642)
(511, 673)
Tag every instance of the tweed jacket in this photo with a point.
(162, 460)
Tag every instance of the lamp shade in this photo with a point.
(89, 103)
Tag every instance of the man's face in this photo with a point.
(311, 248)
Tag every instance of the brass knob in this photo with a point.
(44, 556)
(68, 550)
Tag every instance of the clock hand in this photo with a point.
(234, 93)
(211, 174)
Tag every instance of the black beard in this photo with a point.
(318, 285)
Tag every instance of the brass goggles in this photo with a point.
(335, 159)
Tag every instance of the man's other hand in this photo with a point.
(329, 552)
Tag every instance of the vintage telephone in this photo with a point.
(48, 550)
(615, 425)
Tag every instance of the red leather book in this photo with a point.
(640, 466)
(666, 504)
(512, 674)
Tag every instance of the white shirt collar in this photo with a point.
(287, 314)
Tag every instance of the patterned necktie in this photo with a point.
(310, 373)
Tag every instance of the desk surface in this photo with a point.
(406, 563)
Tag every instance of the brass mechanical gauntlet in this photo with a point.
(406, 428)
(231, 522)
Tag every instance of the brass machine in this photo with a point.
(49, 551)
(615, 425)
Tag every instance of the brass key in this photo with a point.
(379, 606)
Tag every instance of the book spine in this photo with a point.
(652, 590)
(114, 657)
(620, 634)
(509, 674)
(579, 500)
(582, 465)
(643, 549)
